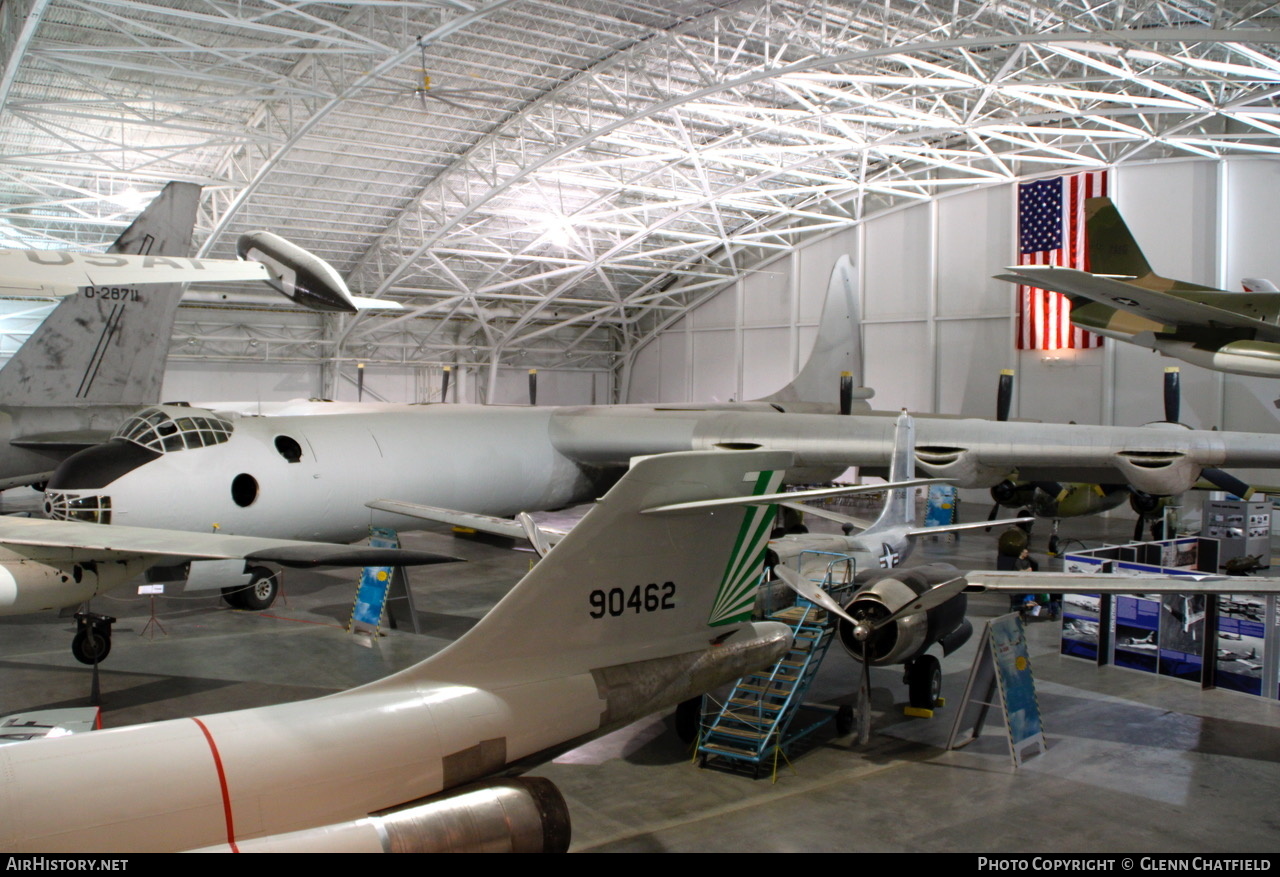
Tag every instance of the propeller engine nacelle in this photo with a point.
(910, 636)
(1162, 473)
(959, 464)
(1013, 495)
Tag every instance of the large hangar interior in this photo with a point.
(640, 203)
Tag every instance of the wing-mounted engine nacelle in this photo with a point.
(911, 635)
(1160, 473)
(296, 273)
(1013, 495)
(959, 464)
(520, 815)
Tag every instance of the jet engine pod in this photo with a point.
(297, 274)
(960, 465)
(520, 815)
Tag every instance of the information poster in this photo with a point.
(1017, 686)
(1240, 638)
(1137, 632)
(1080, 625)
(371, 595)
(1182, 636)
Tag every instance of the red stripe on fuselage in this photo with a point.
(222, 783)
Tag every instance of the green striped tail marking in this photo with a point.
(737, 594)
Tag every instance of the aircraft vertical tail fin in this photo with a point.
(109, 346)
(1112, 247)
(899, 507)
(837, 350)
(625, 587)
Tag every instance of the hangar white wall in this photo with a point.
(937, 329)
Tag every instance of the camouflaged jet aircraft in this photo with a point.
(1124, 299)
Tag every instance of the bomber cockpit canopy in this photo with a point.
(166, 428)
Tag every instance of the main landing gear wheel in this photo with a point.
(259, 594)
(688, 717)
(844, 720)
(924, 682)
(92, 642)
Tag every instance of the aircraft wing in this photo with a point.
(483, 523)
(83, 541)
(1159, 307)
(51, 273)
(971, 525)
(975, 453)
(1106, 583)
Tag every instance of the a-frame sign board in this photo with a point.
(1001, 677)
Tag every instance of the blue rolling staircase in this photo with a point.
(757, 723)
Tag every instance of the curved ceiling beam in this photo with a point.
(528, 169)
(390, 63)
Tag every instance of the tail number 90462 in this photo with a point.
(617, 601)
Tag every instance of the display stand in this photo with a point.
(380, 587)
(1001, 677)
(153, 623)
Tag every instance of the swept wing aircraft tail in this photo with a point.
(109, 349)
(624, 587)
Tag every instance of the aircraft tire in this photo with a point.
(688, 718)
(925, 682)
(262, 590)
(844, 720)
(232, 596)
(90, 647)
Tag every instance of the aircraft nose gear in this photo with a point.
(92, 642)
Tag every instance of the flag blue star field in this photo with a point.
(1051, 232)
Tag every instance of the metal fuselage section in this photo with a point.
(885, 548)
(308, 477)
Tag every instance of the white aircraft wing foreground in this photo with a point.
(629, 614)
(45, 273)
(51, 564)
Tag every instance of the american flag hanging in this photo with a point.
(1051, 232)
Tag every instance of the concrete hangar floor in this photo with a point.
(1135, 764)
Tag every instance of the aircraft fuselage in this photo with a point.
(308, 477)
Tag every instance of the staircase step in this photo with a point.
(730, 750)
(740, 703)
(760, 689)
(741, 733)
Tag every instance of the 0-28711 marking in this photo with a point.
(617, 601)
(112, 293)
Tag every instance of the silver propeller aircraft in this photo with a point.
(301, 476)
(631, 613)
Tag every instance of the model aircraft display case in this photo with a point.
(1229, 641)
